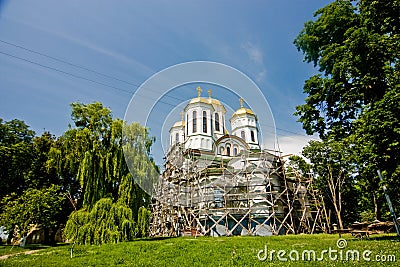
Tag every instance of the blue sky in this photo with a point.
(129, 41)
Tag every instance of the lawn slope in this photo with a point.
(222, 251)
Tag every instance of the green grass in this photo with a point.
(208, 251)
(9, 249)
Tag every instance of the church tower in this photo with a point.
(177, 132)
(244, 125)
(198, 123)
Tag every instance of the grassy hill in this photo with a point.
(223, 251)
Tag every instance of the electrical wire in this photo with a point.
(68, 63)
(104, 75)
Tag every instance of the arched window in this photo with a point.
(242, 135)
(177, 138)
(204, 121)
(235, 151)
(216, 121)
(228, 150)
(194, 121)
(253, 139)
(187, 124)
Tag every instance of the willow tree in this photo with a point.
(90, 154)
(136, 146)
(106, 222)
(143, 222)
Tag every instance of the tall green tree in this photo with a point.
(40, 174)
(355, 45)
(90, 154)
(333, 175)
(377, 145)
(16, 155)
(298, 164)
(87, 166)
(136, 145)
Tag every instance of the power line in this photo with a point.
(296, 133)
(81, 77)
(64, 72)
(105, 75)
(80, 67)
(68, 63)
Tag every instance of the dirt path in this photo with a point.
(4, 257)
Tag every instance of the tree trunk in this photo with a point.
(339, 217)
(335, 189)
(10, 236)
(376, 208)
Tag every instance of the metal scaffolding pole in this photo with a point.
(392, 213)
(249, 194)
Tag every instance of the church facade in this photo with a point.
(203, 127)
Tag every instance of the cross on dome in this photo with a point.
(199, 90)
(241, 102)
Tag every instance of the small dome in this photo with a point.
(242, 110)
(178, 124)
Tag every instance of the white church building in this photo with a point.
(219, 183)
(203, 127)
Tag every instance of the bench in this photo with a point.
(360, 233)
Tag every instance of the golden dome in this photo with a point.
(205, 101)
(215, 102)
(208, 100)
(242, 110)
(199, 100)
(178, 124)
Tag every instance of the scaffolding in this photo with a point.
(253, 193)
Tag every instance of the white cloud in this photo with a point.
(256, 56)
(254, 53)
(294, 144)
(261, 75)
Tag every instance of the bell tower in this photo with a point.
(244, 125)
